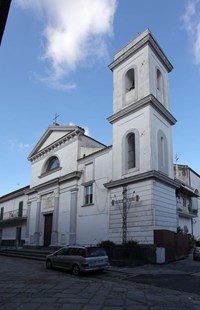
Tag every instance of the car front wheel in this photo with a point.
(48, 264)
(75, 270)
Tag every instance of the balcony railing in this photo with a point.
(187, 211)
(13, 216)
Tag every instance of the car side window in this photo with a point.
(63, 252)
(71, 251)
(80, 252)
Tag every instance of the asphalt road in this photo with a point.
(26, 284)
(183, 276)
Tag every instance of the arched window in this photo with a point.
(129, 80)
(131, 160)
(130, 151)
(159, 86)
(159, 80)
(52, 163)
(162, 152)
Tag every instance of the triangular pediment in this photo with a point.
(51, 135)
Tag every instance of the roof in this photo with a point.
(143, 39)
(57, 135)
(19, 192)
(66, 132)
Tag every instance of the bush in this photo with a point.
(107, 244)
(131, 244)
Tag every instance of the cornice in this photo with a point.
(146, 38)
(60, 142)
(75, 175)
(143, 177)
(95, 154)
(148, 100)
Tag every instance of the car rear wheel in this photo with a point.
(48, 264)
(75, 270)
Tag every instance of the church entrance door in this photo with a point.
(47, 229)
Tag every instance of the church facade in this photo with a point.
(82, 191)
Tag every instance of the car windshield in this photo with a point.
(94, 251)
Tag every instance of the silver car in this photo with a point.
(78, 259)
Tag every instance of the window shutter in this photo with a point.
(20, 210)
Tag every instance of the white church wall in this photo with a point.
(91, 228)
(140, 215)
(88, 146)
(55, 135)
(141, 67)
(92, 220)
(164, 200)
(67, 156)
(32, 221)
(140, 122)
(64, 214)
(155, 64)
(155, 209)
(159, 124)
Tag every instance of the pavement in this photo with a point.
(184, 266)
(26, 284)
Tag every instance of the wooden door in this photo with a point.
(47, 229)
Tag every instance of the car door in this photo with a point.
(70, 257)
(59, 259)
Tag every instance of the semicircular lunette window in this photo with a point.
(52, 164)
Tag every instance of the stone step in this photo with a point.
(26, 253)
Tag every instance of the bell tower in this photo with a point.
(142, 160)
(141, 111)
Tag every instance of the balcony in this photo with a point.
(187, 211)
(14, 217)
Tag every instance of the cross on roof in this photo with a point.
(55, 118)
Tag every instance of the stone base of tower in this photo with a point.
(150, 205)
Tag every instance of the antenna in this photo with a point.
(176, 158)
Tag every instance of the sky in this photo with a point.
(54, 59)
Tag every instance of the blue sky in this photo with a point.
(54, 57)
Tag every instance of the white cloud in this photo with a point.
(191, 23)
(75, 32)
(23, 146)
(14, 144)
(87, 132)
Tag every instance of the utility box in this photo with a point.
(160, 255)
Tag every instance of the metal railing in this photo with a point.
(187, 210)
(14, 214)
